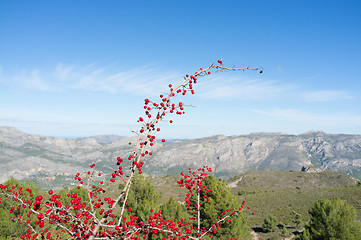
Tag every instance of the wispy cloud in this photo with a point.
(301, 116)
(327, 95)
(1, 74)
(37, 121)
(145, 80)
(151, 80)
(32, 80)
(242, 87)
(142, 80)
(21, 114)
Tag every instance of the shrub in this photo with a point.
(332, 219)
(269, 223)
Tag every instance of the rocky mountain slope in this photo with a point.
(229, 156)
(50, 159)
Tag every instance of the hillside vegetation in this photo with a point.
(280, 194)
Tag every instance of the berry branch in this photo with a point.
(95, 217)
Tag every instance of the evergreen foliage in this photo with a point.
(173, 210)
(66, 193)
(269, 224)
(7, 227)
(221, 199)
(142, 198)
(332, 219)
(297, 218)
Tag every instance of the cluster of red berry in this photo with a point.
(97, 217)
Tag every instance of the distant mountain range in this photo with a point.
(54, 161)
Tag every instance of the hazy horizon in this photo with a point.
(130, 136)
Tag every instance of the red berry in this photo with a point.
(163, 140)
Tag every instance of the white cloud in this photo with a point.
(152, 80)
(1, 74)
(145, 80)
(220, 87)
(43, 122)
(140, 81)
(32, 80)
(326, 96)
(62, 71)
(21, 114)
(300, 116)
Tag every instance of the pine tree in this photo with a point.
(142, 198)
(269, 223)
(332, 219)
(221, 199)
(173, 210)
(7, 228)
(296, 218)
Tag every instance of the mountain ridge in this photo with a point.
(26, 156)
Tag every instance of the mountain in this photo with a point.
(54, 161)
(107, 138)
(232, 155)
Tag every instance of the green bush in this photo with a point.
(269, 224)
(221, 199)
(332, 219)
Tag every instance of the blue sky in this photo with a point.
(81, 68)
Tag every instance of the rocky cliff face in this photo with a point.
(25, 156)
